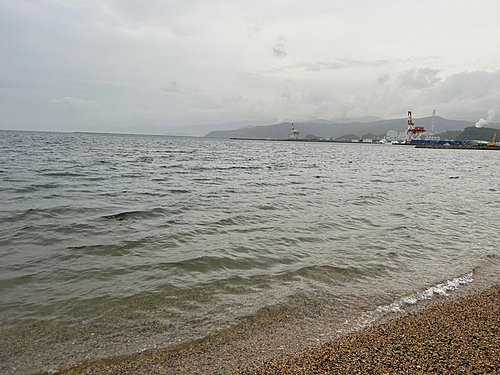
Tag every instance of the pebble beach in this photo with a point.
(458, 336)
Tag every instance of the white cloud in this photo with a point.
(74, 104)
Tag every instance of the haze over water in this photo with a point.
(112, 244)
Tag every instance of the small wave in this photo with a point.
(267, 207)
(177, 151)
(144, 159)
(443, 289)
(63, 174)
(33, 188)
(127, 215)
(132, 175)
(35, 213)
(370, 200)
(327, 274)
(384, 181)
(206, 264)
(236, 220)
(106, 250)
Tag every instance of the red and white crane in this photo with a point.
(413, 131)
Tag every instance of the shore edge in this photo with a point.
(458, 336)
(453, 336)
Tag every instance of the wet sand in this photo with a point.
(460, 336)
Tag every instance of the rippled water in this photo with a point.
(110, 244)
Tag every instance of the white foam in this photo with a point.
(368, 318)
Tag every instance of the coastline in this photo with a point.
(457, 335)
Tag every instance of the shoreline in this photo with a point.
(450, 335)
(458, 336)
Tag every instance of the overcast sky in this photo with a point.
(110, 64)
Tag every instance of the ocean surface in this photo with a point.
(113, 244)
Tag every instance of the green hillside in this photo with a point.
(471, 133)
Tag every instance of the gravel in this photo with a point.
(455, 337)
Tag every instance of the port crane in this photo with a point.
(413, 131)
(493, 141)
(294, 134)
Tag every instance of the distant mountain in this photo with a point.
(326, 129)
(140, 126)
(201, 130)
(449, 135)
(347, 120)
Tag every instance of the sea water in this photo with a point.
(112, 244)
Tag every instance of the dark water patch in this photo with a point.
(454, 212)
(152, 194)
(177, 151)
(137, 215)
(33, 188)
(372, 199)
(96, 178)
(144, 159)
(102, 250)
(354, 223)
(310, 239)
(62, 174)
(133, 175)
(206, 264)
(384, 181)
(268, 207)
(236, 220)
(34, 213)
(178, 191)
(12, 282)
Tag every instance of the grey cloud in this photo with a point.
(383, 78)
(279, 48)
(171, 87)
(254, 26)
(419, 78)
(468, 85)
(176, 87)
(466, 95)
(492, 112)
